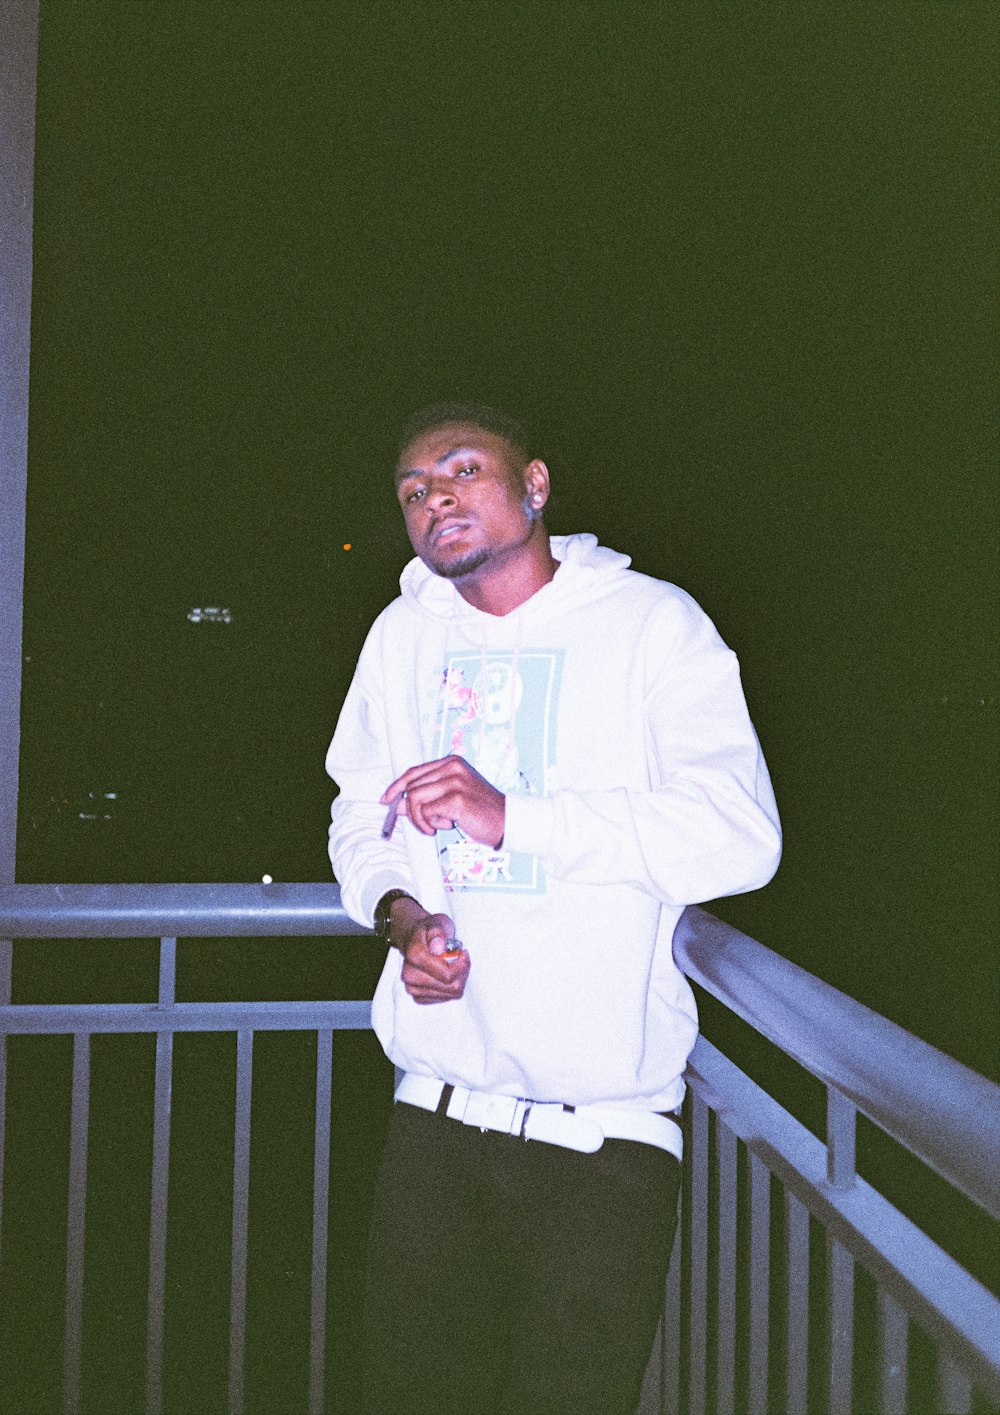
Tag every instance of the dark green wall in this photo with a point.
(738, 262)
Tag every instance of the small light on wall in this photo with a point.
(266, 879)
(212, 614)
(347, 546)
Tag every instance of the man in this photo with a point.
(542, 759)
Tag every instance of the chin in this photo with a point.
(463, 565)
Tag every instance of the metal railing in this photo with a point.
(937, 1109)
(739, 1260)
(171, 912)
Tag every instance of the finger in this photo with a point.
(394, 790)
(421, 993)
(414, 775)
(437, 941)
(435, 805)
(440, 928)
(424, 994)
(430, 971)
(426, 967)
(449, 987)
(433, 802)
(444, 770)
(439, 934)
(424, 821)
(413, 806)
(447, 974)
(456, 970)
(416, 817)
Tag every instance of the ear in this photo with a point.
(536, 483)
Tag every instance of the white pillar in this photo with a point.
(18, 66)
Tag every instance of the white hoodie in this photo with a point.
(610, 712)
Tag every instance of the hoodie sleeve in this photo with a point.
(359, 762)
(708, 824)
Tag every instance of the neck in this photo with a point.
(504, 584)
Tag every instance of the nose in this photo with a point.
(441, 495)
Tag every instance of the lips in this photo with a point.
(446, 531)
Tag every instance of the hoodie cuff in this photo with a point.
(528, 824)
(373, 890)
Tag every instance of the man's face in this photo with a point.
(463, 492)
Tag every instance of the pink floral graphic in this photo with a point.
(458, 698)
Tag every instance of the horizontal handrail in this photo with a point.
(177, 910)
(49, 1019)
(945, 1113)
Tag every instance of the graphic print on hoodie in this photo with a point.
(499, 710)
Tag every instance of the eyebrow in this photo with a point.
(460, 447)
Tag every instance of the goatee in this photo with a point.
(465, 565)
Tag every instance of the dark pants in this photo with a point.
(512, 1277)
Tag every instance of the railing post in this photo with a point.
(841, 1173)
(725, 1302)
(321, 1211)
(893, 1353)
(760, 1285)
(670, 1383)
(241, 1215)
(840, 1320)
(6, 974)
(156, 1310)
(698, 1271)
(954, 1389)
(841, 1132)
(76, 1223)
(797, 1309)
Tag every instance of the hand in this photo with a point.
(447, 792)
(423, 939)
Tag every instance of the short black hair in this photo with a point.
(490, 419)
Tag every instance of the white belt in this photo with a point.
(583, 1128)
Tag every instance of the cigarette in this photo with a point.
(391, 817)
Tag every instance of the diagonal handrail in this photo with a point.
(943, 1112)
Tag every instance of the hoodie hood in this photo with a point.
(586, 571)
